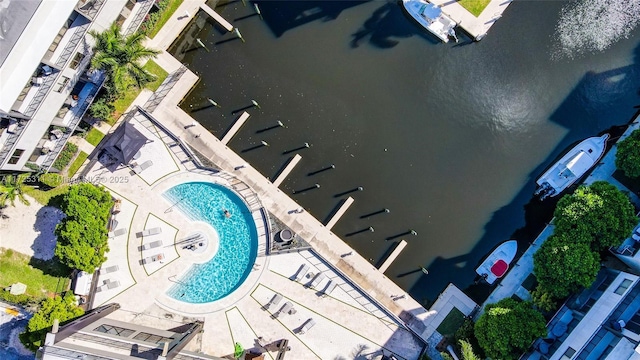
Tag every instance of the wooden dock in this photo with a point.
(224, 23)
(339, 213)
(234, 129)
(283, 175)
(393, 256)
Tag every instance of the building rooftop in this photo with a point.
(14, 17)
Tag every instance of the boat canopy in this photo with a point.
(430, 11)
(578, 164)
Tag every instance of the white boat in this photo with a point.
(432, 18)
(497, 263)
(571, 166)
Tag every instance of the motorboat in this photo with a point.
(497, 263)
(571, 167)
(431, 17)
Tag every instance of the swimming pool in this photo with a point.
(238, 248)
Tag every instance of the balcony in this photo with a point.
(71, 120)
(140, 12)
(89, 8)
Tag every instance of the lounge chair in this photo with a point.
(108, 285)
(330, 287)
(284, 309)
(108, 270)
(154, 258)
(152, 245)
(117, 232)
(142, 167)
(302, 271)
(307, 326)
(316, 280)
(274, 301)
(282, 349)
(149, 232)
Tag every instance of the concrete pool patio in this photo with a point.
(348, 322)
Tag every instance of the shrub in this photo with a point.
(62, 308)
(65, 156)
(101, 109)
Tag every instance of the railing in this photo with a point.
(8, 145)
(139, 17)
(73, 123)
(163, 89)
(91, 8)
(78, 34)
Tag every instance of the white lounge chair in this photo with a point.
(274, 301)
(154, 258)
(330, 287)
(108, 270)
(149, 232)
(152, 245)
(142, 167)
(307, 326)
(302, 271)
(117, 232)
(284, 309)
(317, 280)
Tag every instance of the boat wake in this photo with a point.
(588, 26)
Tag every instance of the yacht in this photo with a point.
(571, 167)
(497, 263)
(432, 18)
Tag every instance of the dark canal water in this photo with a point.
(448, 137)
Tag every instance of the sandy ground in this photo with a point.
(30, 229)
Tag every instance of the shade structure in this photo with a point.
(125, 143)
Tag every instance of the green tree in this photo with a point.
(82, 235)
(13, 187)
(599, 212)
(62, 308)
(467, 351)
(508, 327)
(564, 264)
(122, 57)
(628, 155)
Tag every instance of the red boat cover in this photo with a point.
(499, 268)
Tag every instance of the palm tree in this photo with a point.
(12, 187)
(121, 56)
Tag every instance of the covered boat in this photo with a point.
(497, 263)
(432, 18)
(571, 167)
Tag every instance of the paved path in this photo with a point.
(477, 27)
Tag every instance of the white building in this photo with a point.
(45, 88)
(602, 322)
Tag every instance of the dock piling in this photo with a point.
(359, 188)
(305, 146)
(315, 186)
(385, 210)
(255, 6)
(239, 35)
(332, 166)
(277, 125)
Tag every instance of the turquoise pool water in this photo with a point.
(237, 252)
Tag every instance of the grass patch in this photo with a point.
(163, 17)
(43, 278)
(75, 165)
(152, 67)
(122, 104)
(94, 136)
(51, 197)
(451, 323)
(474, 6)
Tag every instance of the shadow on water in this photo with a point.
(599, 100)
(281, 16)
(386, 24)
